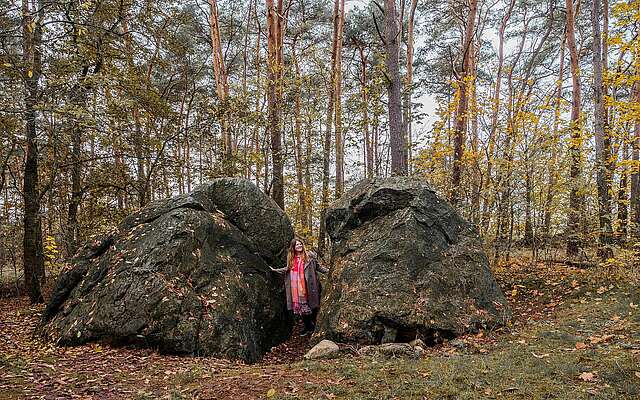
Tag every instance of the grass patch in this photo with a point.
(552, 360)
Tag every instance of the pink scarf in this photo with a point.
(298, 288)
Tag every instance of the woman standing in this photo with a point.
(301, 283)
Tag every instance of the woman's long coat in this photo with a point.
(311, 269)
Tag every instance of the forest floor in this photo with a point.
(575, 334)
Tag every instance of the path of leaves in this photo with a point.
(32, 368)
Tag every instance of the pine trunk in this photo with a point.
(338, 104)
(274, 46)
(397, 136)
(604, 203)
(460, 125)
(576, 195)
(326, 153)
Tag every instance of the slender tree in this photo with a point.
(397, 137)
(493, 129)
(602, 183)
(338, 102)
(408, 91)
(635, 157)
(326, 148)
(463, 77)
(222, 85)
(275, 27)
(33, 252)
(576, 195)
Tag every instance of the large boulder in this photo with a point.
(189, 274)
(404, 264)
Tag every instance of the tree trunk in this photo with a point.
(604, 203)
(78, 98)
(397, 136)
(576, 195)
(33, 252)
(555, 140)
(274, 42)
(222, 87)
(338, 103)
(326, 154)
(476, 173)
(368, 150)
(503, 176)
(623, 211)
(488, 202)
(308, 189)
(297, 130)
(258, 94)
(408, 91)
(635, 167)
(460, 125)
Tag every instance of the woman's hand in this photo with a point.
(278, 270)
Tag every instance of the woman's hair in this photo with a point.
(292, 252)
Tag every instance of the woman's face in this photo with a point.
(299, 246)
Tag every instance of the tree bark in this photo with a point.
(274, 46)
(297, 130)
(408, 91)
(326, 153)
(308, 189)
(552, 169)
(460, 125)
(604, 202)
(623, 211)
(338, 104)
(576, 197)
(33, 252)
(222, 86)
(635, 166)
(368, 150)
(258, 94)
(397, 136)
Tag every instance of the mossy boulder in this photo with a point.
(189, 274)
(404, 265)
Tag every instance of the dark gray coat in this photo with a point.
(311, 269)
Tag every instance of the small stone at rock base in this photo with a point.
(392, 350)
(457, 343)
(324, 349)
(417, 343)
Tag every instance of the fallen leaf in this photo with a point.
(580, 346)
(541, 355)
(587, 376)
(271, 392)
(637, 374)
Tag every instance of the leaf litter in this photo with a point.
(538, 294)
